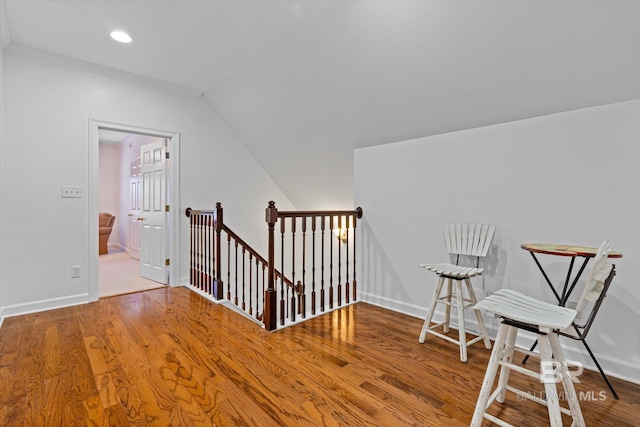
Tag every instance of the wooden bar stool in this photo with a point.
(467, 239)
(547, 321)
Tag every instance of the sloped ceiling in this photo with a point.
(303, 83)
(379, 72)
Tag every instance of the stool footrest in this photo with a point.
(454, 298)
(444, 300)
(474, 340)
(527, 395)
(520, 369)
(497, 421)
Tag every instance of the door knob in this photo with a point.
(140, 218)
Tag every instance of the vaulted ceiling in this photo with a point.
(303, 83)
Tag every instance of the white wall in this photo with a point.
(1, 157)
(571, 178)
(48, 104)
(109, 186)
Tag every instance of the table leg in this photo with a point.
(533, 347)
(565, 294)
(566, 281)
(546, 277)
(575, 281)
(604, 376)
(535, 344)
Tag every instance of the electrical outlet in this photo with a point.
(75, 271)
(70, 191)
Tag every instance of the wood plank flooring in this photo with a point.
(168, 357)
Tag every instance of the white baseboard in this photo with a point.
(394, 305)
(44, 305)
(574, 350)
(117, 246)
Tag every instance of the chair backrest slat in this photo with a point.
(449, 238)
(468, 238)
(464, 237)
(601, 269)
(475, 241)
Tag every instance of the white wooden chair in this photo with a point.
(519, 311)
(471, 240)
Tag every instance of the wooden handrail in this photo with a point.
(253, 252)
(297, 214)
(244, 244)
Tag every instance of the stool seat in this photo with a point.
(522, 308)
(452, 270)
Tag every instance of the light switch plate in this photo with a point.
(70, 191)
(75, 271)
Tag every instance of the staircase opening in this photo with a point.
(310, 268)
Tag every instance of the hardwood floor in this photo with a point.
(170, 357)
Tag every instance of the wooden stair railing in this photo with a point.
(209, 261)
(319, 263)
(205, 272)
(284, 307)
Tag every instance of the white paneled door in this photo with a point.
(133, 234)
(153, 236)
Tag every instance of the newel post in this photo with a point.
(355, 222)
(218, 285)
(270, 297)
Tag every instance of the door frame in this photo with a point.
(173, 187)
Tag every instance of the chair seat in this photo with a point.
(452, 270)
(522, 308)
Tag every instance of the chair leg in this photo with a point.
(509, 347)
(432, 308)
(489, 376)
(549, 379)
(481, 326)
(447, 310)
(567, 382)
(462, 333)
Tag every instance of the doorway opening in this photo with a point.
(133, 179)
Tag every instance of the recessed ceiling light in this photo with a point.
(120, 36)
